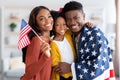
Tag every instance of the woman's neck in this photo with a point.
(45, 36)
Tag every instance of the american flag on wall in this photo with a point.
(23, 38)
(94, 56)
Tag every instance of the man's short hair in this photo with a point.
(72, 5)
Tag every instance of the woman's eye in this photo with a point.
(41, 19)
(64, 24)
(50, 16)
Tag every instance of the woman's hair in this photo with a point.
(72, 5)
(33, 23)
(32, 20)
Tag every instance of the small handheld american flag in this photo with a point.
(23, 38)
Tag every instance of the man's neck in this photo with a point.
(76, 33)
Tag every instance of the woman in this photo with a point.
(38, 58)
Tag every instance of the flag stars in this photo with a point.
(95, 66)
(102, 67)
(99, 41)
(98, 34)
(82, 57)
(85, 44)
(89, 32)
(92, 73)
(96, 29)
(83, 61)
(89, 63)
(87, 50)
(81, 76)
(104, 59)
(86, 29)
(94, 53)
(93, 45)
(91, 38)
(105, 50)
(81, 51)
(94, 60)
(79, 67)
(99, 57)
(85, 70)
(88, 57)
(105, 42)
(100, 49)
(83, 38)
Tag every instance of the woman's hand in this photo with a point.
(23, 77)
(45, 48)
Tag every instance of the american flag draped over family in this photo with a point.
(94, 56)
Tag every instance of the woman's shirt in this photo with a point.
(38, 65)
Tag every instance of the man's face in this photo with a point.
(75, 20)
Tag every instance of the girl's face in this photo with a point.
(44, 20)
(60, 26)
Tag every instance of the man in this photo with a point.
(94, 60)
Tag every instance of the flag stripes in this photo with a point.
(25, 31)
(23, 38)
(23, 42)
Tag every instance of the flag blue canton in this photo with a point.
(94, 55)
(23, 24)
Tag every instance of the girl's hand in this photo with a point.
(89, 24)
(45, 48)
(62, 68)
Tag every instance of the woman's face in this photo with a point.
(60, 26)
(44, 20)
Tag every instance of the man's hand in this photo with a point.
(89, 24)
(62, 68)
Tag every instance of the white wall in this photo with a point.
(107, 5)
(56, 4)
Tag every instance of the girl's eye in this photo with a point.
(56, 24)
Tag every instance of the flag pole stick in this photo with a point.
(37, 35)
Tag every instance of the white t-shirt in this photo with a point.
(65, 51)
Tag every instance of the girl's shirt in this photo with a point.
(62, 51)
(65, 51)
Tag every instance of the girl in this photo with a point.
(38, 58)
(62, 49)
